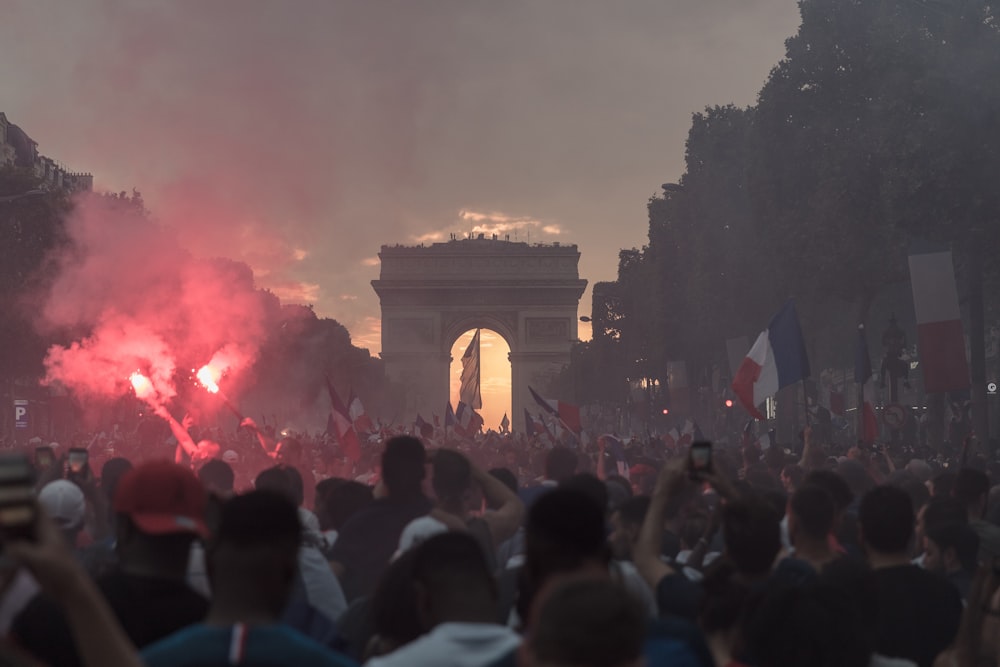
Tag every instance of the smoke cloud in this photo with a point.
(144, 304)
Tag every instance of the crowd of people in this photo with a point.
(179, 546)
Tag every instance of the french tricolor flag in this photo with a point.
(939, 324)
(776, 360)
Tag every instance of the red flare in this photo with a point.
(142, 385)
(209, 379)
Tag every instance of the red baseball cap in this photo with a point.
(163, 498)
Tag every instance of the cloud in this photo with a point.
(296, 292)
(490, 223)
(348, 297)
(371, 261)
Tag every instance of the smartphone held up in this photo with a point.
(700, 459)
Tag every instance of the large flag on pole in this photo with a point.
(776, 360)
(939, 324)
(342, 426)
(469, 393)
(568, 414)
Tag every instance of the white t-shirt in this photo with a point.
(453, 645)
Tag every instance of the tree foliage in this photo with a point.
(879, 127)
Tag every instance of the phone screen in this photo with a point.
(77, 459)
(700, 457)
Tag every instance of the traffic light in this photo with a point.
(729, 402)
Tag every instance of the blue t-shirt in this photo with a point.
(249, 645)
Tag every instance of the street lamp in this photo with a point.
(24, 195)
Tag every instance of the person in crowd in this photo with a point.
(972, 489)
(918, 612)
(586, 622)
(92, 624)
(252, 561)
(63, 501)
(455, 482)
(951, 550)
(792, 476)
(456, 602)
(337, 500)
(811, 513)
(625, 523)
(318, 585)
(189, 451)
(368, 540)
(160, 508)
(560, 464)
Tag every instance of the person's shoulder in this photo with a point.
(294, 647)
(195, 644)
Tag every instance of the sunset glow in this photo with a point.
(494, 376)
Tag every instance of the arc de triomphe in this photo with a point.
(431, 295)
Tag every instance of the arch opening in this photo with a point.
(495, 375)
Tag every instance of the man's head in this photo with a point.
(451, 479)
(938, 511)
(279, 479)
(792, 476)
(564, 534)
(64, 502)
(161, 509)
(950, 547)
(972, 488)
(811, 513)
(586, 623)
(626, 522)
(560, 464)
(205, 450)
(253, 558)
(403, 466)
(217, 477)
(751, 530)
(453, 581)
(885, 521)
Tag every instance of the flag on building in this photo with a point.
(568, 414)
(339, 424)
(469, 392)
(776, 360)
(362, 422)
(940, 340)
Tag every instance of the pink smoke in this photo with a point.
(144, 303)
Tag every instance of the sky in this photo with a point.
(301, 135)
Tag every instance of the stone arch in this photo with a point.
(430, 295)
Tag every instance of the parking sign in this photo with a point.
(21, 414)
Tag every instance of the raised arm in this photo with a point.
(184, 440)
(505, 520)
(265, 442)
(96, 631)
(646, 554)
